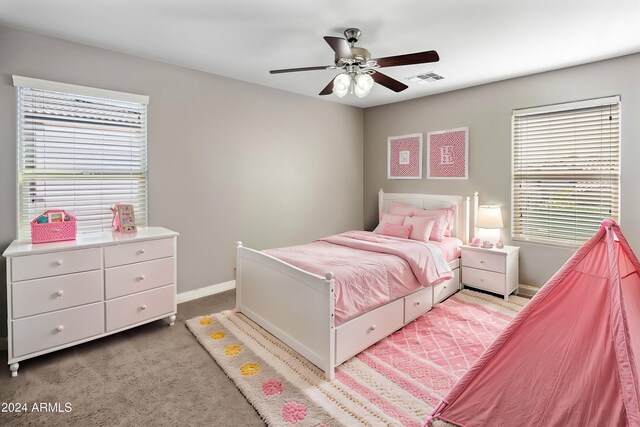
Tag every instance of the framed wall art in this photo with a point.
(404, 157)
(448, 154)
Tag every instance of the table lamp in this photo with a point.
(489, 223)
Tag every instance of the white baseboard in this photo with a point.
(3, 344)
(527, 291)
(206, 291)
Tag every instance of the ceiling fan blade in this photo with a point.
(292, 70)
(328, 89)
(339, 46)
(409, 59)
(388, 82)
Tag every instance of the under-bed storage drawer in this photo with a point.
(444, 290)
(359, 333)
(417, 304)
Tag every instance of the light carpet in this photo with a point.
(397, 381)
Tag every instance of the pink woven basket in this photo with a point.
(53, 231)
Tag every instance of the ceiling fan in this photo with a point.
(360, 71)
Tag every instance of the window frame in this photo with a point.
(98, 173)
(575, 107)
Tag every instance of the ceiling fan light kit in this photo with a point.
(341, 85)
(360, 71)
(363, 84)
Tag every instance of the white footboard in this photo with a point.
(292, 304)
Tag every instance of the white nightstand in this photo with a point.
(493, 270)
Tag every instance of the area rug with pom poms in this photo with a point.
(397, 381)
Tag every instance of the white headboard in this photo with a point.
(462, 224)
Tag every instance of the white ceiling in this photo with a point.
(479, 41)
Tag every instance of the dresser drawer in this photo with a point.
(484, 260)
(361, 332)
(129, 253)
(417, 304)
(55, 293)
(54, 264)
(45, 331)
(138, 277)
(132, 309)
(444, 290)
(487, 280)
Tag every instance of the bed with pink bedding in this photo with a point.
(369, 269)
(332, 298)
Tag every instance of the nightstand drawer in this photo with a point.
(483, 279)
(50, 330)
(55, 293)
(129, 253)
(417, 304)
(55, 264)
(137, 308)
(484, 260)
(138, 277)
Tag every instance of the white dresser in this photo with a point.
(65, 293)
(493, 270)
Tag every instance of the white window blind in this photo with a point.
(80, 152)
(566, 171)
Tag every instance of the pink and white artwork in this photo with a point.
(448, 154)
(404, 157)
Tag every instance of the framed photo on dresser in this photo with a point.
(124, 219)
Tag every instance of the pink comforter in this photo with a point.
(369, 269)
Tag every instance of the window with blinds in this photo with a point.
(80, 149)
(566, 171)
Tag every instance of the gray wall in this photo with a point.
(228, 160)
(486, 110)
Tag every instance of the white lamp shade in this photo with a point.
(364, 83)
(489, 217)
(341, 85)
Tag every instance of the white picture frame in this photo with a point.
(448, 154)
(404, 156)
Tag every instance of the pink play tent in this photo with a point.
(571, 357)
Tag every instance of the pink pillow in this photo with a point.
(421, 227)
(451, 217)
(440, 225)
(388, 219)
(400, 209)
(394, 230)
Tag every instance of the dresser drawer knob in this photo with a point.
(373, 327)
(141, 277)
(143, 307)
(481, 279)
(60, 293)
(141, 251)
(59, 262)
(60, 328)
(417, 302)
(481, 262)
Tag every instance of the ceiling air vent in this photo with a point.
(429, 77)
